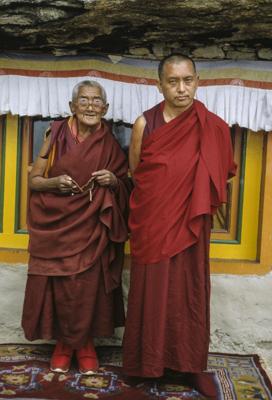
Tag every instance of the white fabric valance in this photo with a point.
(47, 96)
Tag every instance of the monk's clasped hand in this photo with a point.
(65, 183)
(105, 178)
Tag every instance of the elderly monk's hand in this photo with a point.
(105, 178)
(64, 183)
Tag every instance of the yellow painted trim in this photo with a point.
(127, 247)
(14, 240)
(247, 249)
(23, 176)
(264, 265)
(234, 184)
(8, 238)
(10, 175)
(14, 256)
(266, 218)
(239, 268)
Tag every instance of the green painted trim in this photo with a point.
(18, 173)
(2, 177)
(241, 195)
(22, 231)
(221, 241)
(241, 185)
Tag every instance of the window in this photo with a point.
(226, 222)
(31, 136)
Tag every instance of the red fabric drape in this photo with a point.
(181, 177)
(68, 234)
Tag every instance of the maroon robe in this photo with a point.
(76, 243)
(179, 183)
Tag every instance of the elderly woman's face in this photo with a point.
(89, 107)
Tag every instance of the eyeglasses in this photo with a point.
(94, 101)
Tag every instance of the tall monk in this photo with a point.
(180, 159)
(77, 227)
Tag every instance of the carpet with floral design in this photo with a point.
(25, 374)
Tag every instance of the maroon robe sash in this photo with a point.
(181, 177)
(69, 233)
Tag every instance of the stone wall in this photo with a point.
(211, 29)
(241, 318)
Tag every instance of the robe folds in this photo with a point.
(179, 182)
(76, 241)
(69, 233)
(181, 176)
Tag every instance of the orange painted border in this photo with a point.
(129, 79)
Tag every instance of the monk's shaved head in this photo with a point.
(173, 59)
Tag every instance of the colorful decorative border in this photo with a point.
(248, 74)
(24, 369)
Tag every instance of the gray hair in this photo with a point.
(81, 84)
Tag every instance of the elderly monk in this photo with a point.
(77, 227)
(180, 158)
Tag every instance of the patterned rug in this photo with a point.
(25, 374)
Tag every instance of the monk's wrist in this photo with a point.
(114, 182)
